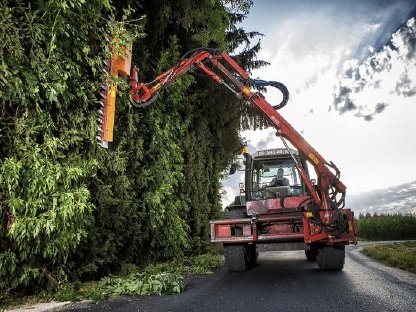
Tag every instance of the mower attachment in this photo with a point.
(118, 65)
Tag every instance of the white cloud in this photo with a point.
(382, 79)
(228, 194)
(308, 53)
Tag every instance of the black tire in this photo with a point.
(237, 200)
(311, 254)
(239, 258)
(235, 213)
(331, 258)
(252, 255)
(236, 258)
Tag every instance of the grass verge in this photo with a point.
(152, 279)
(398, 255)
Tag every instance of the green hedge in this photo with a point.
(387, 227)
(70, 209)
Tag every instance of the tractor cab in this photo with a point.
(272, 182)
(272, 173)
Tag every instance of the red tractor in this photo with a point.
(274, 212)
(282, 207)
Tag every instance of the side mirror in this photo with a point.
(233, 168)
(313, 181)
(241, 186)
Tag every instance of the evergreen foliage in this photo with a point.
(70, 209)
(48, 75)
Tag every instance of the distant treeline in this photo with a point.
(387, 227)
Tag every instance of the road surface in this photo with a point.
(284, 281)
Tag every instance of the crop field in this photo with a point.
(387, 227)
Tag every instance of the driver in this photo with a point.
(279, 180)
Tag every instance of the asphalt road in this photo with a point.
(284, 281)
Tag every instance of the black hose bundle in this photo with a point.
(278, 85)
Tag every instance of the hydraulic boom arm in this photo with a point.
(330, 193)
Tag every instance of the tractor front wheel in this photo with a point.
(240, 257)
(311, 254)
(331, 258)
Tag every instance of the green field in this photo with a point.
(386, 227)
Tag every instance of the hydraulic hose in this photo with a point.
(278, 85)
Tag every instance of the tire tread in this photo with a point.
(235, 258)
(331, 258)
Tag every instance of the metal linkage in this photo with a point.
(235, 79)
(225, 71)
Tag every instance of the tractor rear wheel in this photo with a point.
(331, 258)
(236, 213)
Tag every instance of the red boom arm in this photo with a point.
(237, 80)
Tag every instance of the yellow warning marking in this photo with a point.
(314, 159)
(246, 90)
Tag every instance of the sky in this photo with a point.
(350, 67)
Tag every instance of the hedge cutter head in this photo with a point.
(119, 64)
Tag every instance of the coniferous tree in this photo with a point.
(72, 209)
